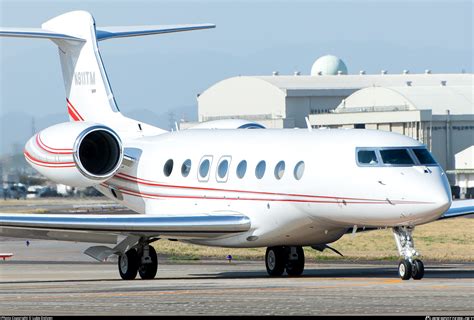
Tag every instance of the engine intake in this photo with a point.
(98, 153)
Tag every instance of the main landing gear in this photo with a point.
(141, 259)
(279, 259)
(410, 266)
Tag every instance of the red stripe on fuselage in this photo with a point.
(127, 177)
(165, 196)
(336, 200)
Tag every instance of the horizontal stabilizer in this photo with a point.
(104, 33)
(36, 33)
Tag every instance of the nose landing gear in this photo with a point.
(410, 266)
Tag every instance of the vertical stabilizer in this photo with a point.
(88, 93)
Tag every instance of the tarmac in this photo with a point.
(55, 278)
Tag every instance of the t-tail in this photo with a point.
(89, 96)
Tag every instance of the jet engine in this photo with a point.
(78, 154)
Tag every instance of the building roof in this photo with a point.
(458, 99)
(364, 80)
(291, 83)
(438, 92)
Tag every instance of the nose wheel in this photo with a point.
(410, 266)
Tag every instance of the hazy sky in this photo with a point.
(155, 74)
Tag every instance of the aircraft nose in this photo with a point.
(442, 198)
(439, 194)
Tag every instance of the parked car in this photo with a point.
(16, 191)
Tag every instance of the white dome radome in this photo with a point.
(328, 65)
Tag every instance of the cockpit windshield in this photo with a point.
(367, 157)
(389, 156)
(424, 156)
(396, 156)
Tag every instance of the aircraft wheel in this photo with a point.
(128, 264)
(405, 269)
(296, 267)
(148, 270)
(418, 270)
(275, 261)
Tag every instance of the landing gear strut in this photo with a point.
(410, 266)
(141, 259)
(279, 259)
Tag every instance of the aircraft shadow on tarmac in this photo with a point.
(434, 272)
(437, 272)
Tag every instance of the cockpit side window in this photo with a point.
(396, 157)
(367, 157)
(424, 156)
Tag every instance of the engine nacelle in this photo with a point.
(78, 154)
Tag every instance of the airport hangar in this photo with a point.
(436, 109)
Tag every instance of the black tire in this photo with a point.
(296, 267)
(418, 270)
(128, 265)
(405, 269)
(275, 261)
(148, 270)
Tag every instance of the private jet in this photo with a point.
(226, 183)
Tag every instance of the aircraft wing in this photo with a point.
(459, 208)
(106, 228)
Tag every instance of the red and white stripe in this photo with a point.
(262, 195)
(73, 113)
(48, 164)
(49, 149)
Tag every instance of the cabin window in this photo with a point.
(241, 169)
(260, 169)
(223, 169)
(168, 167)
(396, 156)
(186, 168)
(204, 168)
(279, 170)
(367, 157)
(299, 170)
(424, 156)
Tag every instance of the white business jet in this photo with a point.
(226, 183)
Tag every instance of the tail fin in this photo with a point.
(88, 92)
